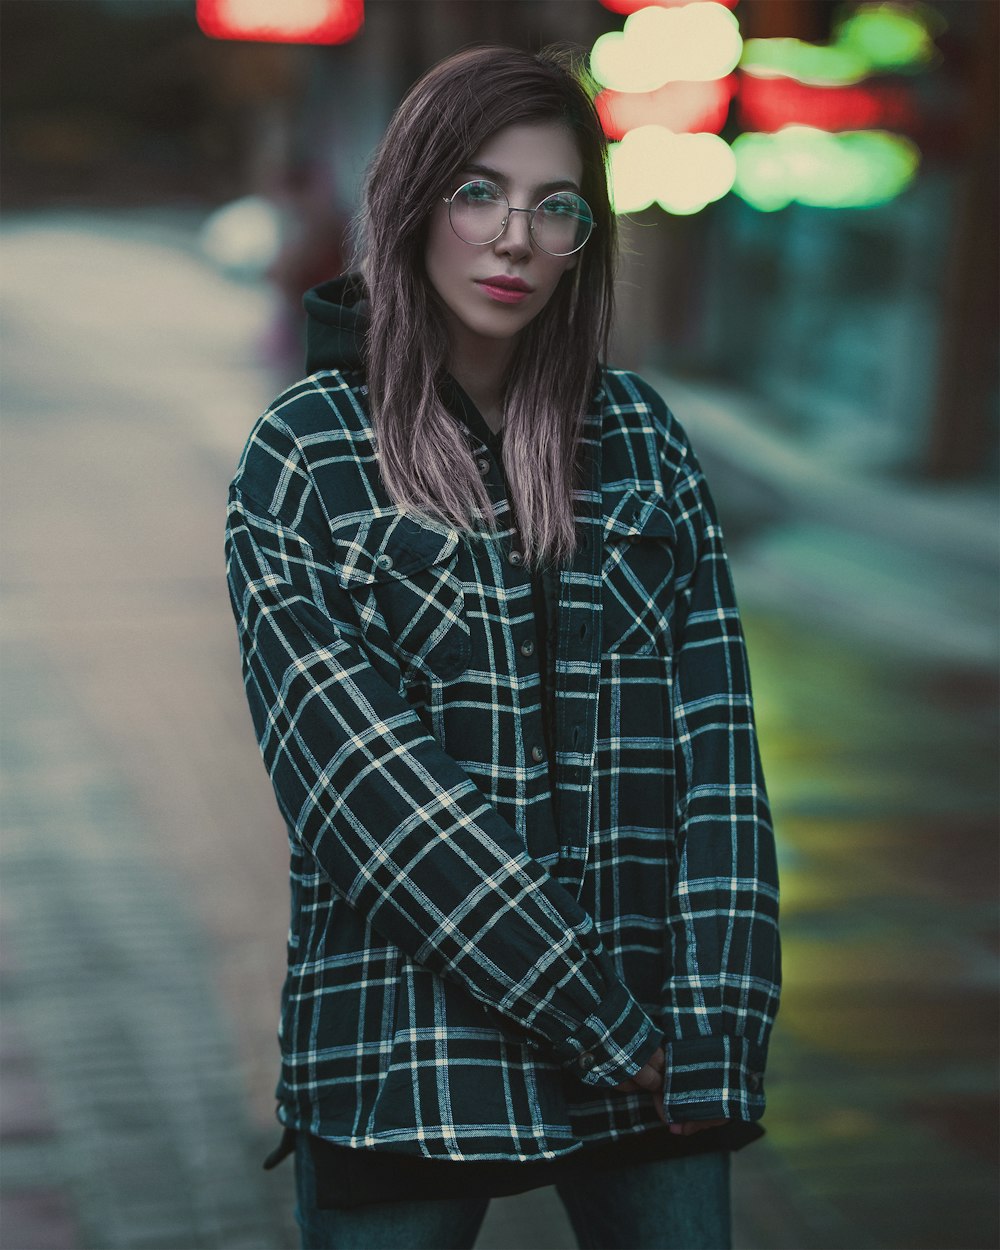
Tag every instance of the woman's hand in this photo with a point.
(650, 1075)
(649, 1079)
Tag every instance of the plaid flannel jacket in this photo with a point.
(476, 958)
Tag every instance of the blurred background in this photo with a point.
(808, 193)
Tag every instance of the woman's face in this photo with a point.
(529, 161)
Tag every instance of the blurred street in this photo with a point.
(144, 862)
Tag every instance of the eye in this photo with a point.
(481, 193)
(561, 205)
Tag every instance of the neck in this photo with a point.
(479, 368)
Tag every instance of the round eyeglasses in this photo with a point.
(479, 211)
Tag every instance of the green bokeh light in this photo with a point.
(888, 36)
(875, 38)
(857, 169)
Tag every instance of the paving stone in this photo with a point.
(25, 1107)
(128, 1040)
(38, 1219)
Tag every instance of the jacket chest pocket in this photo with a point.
(637, 573)
(403, 577)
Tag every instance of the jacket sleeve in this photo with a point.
(398, 827)
(722, 996)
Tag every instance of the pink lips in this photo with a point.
(504, 289)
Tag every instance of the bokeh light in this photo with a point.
(876, 38)
(801, 164)
(693, 43)
(631, 6)
(682, 173)
(281, 21)
(679, 106)
(773, 103)
(891, 36)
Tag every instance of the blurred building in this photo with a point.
(869, 335)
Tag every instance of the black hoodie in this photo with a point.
(337, 320)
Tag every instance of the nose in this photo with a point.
(516, 238)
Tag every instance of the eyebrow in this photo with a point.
(545, 188)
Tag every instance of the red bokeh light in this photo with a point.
(632, 6)
(683, 107)
(324, 21)
(767, 104)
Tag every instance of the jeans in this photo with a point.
(666, 1204)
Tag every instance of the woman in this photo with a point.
(497, 676)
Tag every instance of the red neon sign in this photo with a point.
(281, 21)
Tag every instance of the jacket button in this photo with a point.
(527, 647)
(586, 1061)
(383, 561)
(755, 1081)
(537, 754)
(516, 558)
(483, 465)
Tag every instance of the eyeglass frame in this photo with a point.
(447, 199)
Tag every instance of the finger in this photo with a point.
(648, 1082)
(648, 1078)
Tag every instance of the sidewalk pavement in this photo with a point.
(144, 866)
(124, 1121)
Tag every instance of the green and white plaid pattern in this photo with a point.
(476, 959)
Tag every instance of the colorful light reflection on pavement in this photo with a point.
(882, 1089)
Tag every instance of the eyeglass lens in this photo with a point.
(560, 224)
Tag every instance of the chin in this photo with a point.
(500, 327)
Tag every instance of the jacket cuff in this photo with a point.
(612, 1043)
(712, 1078)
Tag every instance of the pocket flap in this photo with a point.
(382, 548)
(630, 514)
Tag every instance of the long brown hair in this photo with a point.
(423, 455)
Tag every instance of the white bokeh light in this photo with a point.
(288, 16)
(695, 43)
(682, 173)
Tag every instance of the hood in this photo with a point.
(337, 313)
